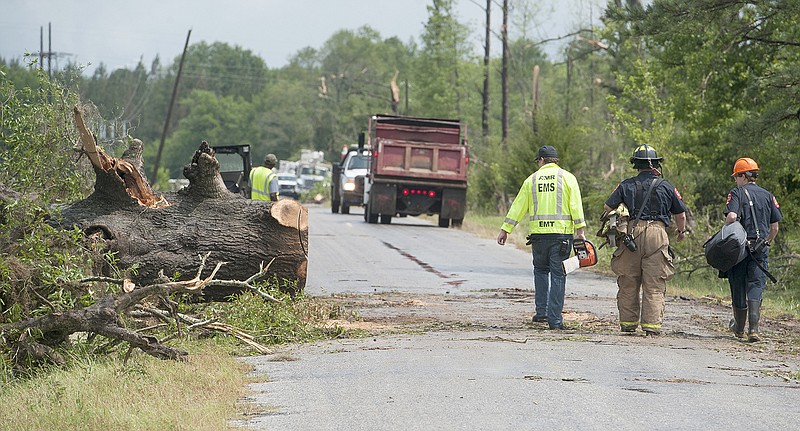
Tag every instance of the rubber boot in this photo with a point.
(753, 316)
(737, 323)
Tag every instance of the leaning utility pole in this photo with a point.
(169, 110)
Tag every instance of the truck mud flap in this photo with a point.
(454, 204)
(383, 199)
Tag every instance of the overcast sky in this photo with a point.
(118, 33)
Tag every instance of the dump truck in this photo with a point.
(417, 166)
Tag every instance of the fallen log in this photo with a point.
(104, 317)
(152, 232)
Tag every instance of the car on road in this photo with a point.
(288, 185)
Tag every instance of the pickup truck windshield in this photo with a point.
(360, 161)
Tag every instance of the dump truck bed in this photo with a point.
(418, 148)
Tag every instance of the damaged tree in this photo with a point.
(158, 234)
(151, 232)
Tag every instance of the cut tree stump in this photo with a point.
(154, 232)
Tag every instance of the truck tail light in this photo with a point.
(420, 192)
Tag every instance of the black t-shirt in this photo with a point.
(764, 203)
(664, 201)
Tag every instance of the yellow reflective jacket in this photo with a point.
(260, 179)
(552, 199)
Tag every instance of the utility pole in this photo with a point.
(49, 52)
(49, 49)
(41, 47)
(169, 110)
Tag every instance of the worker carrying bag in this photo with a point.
(727, 247)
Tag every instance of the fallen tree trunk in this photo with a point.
(152, 232)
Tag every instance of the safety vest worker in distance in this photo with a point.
(261, 179)
(552, 198)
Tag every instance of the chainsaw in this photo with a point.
(585, 255)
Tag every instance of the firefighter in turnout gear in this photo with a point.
(759, 213)
(264, 181)
(642, 260)
(552, 199)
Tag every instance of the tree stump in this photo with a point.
(168, 232)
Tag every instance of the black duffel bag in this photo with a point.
(727, 247)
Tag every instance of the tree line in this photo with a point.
(703, 83)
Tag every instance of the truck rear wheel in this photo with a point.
(335, 207)
(386, 219)
(457, 222)
(369, 217)
(444, 222)
(345, 209)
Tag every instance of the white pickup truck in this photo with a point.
(346, 191)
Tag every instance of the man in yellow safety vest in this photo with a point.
(552, 199)
(263, 181)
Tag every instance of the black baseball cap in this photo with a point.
(548, 151)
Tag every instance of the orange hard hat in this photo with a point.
(744, 164)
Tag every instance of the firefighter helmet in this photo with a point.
(744, 164)
(645, 152)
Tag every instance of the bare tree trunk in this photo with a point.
(504, 73)
(486, 58)
(567, 113)
(535, 98)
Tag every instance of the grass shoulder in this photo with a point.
(143, 394)
(114, 390)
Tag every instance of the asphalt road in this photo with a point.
(455, 352)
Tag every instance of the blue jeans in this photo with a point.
(747, 280)
(549, 279)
